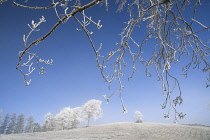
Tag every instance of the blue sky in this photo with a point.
(74, 78)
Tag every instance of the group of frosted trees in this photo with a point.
(13, 124)
(69, 118)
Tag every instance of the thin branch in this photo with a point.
(46, 7)
(36, 42)
(1, 1)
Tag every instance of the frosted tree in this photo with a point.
(91, 109)
(164, 26)
(68, 118)
(208, 106)
(30, 125)
(12, 124)
(76, 116)
(37, 127)
(59, 119)
(138, 117)
(4, 125)
(0, 116)
(62, 119)
(20, 123)
(0, 121)
(49, 122)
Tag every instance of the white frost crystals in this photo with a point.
(167, 65)
(87, 21)
(28, 63)
(35, 25)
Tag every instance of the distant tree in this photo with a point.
(76, 116)
(20, 123)
(30, 125)
(138, 117)
(59, 119)
(168, 30)
(91, 109)
(0, 120)
(49, 123)
(68, 118)
(209, 106)
(4, 125)
(12, 124)
(0, 116)
(37, 127)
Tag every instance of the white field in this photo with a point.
(121, 131)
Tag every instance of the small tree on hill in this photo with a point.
(76, 116)
(138, 117)
(91, 109)
(30, 125)
(49, 122)
(0, 120)
(12, 124)
(20, 123)
(37, 127)
(209, 106)
(68, 118)
(0, 117)
(4, 125)
(62, 119)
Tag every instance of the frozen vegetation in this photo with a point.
(66, 119)
(121, 131)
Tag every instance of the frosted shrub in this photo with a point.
(138, 117)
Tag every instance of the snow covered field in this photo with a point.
(121, 131)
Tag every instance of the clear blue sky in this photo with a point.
(74, 78)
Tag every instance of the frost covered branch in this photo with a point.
(1, 1)
(173, 38)
(33, 27)
(46, 7)
(169, 38)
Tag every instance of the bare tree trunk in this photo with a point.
(88, 123)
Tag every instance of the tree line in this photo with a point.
(15, 124)
(67, 118)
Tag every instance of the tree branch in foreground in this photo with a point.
(36, 42)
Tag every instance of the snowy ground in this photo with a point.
(121, 131)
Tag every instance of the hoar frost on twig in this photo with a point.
(28, 63)
(173, 37)
(34, 26)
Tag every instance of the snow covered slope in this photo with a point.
(121, 131)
